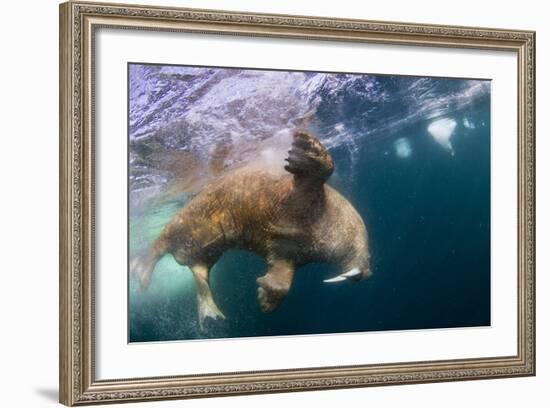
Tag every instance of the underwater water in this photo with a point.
(412, 154)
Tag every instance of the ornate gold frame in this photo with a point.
(76, 346)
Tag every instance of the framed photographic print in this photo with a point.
(260, 203)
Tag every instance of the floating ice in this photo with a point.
(402, 147)
(441, 130)
(468, 124)
(339, 127)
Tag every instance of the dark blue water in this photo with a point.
(427, 213)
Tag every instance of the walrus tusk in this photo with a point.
(344, 276)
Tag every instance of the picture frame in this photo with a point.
(79, 25)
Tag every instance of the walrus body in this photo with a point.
(290, 218)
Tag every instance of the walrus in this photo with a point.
(289, 216)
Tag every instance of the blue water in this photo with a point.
(426, 208)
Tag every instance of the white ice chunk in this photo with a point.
(441, 130)
(402, 147)
(339, 127)
(468, 124)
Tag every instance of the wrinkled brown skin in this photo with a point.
(290, 218)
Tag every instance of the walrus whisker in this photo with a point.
(346, 275)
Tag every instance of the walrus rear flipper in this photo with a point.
(142, 266)
(308, 159)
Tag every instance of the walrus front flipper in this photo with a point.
(308, 159)
(275, 284)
